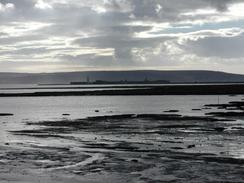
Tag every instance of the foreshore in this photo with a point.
(205, 89)
(129, 147)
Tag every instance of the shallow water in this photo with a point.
(53, 108)
(118, 150)
(47, 108)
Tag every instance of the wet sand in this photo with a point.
(130, 148)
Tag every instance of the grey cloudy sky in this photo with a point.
(75, 35)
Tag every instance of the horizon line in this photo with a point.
(123, 70)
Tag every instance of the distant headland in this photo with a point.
(122, 77)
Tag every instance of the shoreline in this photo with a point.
(233, 89)
(136, 147)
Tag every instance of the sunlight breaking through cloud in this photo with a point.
(121, 34)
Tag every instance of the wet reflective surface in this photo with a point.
(161, 138)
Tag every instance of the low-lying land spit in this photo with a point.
(201, 89)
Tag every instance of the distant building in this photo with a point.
(146, 81)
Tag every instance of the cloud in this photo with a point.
(6, 7)
(120, 34)
(227, 46)
(40, 4)
(124, 6)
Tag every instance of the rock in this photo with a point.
(172, 111)
(6, 114)
(66, 114)
(226, 114)
(219, 129)
(134, 161)
(191, 146)
(122, 116)
(97, 111)
(177, 148)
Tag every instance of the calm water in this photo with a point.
(86, 151)
(31, 88)
(42, 108)
(52, 108)
(49, 108)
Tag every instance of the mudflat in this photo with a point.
(129, 148)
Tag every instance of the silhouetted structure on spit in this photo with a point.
(102, 82)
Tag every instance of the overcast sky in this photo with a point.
(76, 35)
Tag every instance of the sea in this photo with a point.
(70, 108)
(78, 107)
